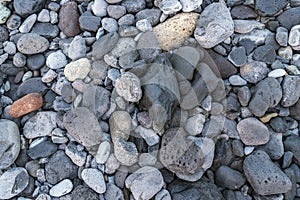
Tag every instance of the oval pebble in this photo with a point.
(31, 43)
(94, 179)
(56, 60)
(62, 188)
(277, 73)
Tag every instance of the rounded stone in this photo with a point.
(253, 132)
(128, 86)
(26, 7)
(229, 178)
(254, 71)
(31, 43)
(4, 13)
(56, 60)
(103, 152)
(9, 143)
(69, 19)
(78, 69)
(62, 188)
(125, 152)
(94, 179)
(120, 125)
(13, 22)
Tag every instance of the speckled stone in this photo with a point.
(78, 69)
(32, 43)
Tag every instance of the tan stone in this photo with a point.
(26, 104)
(268, 117)
(174, 31)
(78, 69)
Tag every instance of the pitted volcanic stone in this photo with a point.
(82, 124)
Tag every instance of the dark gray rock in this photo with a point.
(36, 61)
(3, 34)
(133, 6)
(26, 7)
(83, 193)
(283, 124)
(282, 36)
(265, 54)
(291, 90)
(243, 12)
(265, 177)
(60, 167)
(292, 143)
(41, 148)
(152, 15)
(238, 56)
(289, 17)
(148, 46)
(223, 153)
(270, 7)
(248, 44)
(229, 178)
(244, 95)
(274, 148)
(47, 30)
(267, 95)
(295, 110)
(291, 194)
(254, 71)
(88, 22)
(104, 45)
(287, 159)
(30, 86)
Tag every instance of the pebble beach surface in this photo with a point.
(149, 99)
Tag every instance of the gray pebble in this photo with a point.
(282, 36)
(125, 152)
(116, 11)
(152, 15)
(109, 24)
(229, 178)
(47, 30)
(44, 16)
(77, 156)
(41, 147)
(238, 56)
(27, 7)
(291, 90)
(88, 22)
(274, 147)
(9, 47)
(31, 43)
(77, 48)
(94, 179)
(62, 188)
(133, 6)
(126, 20)
(19, 60)
(292, 144)
(236, 80)
(169, 7)
(35, 62)
(28, 24)
(103, 152)
(56, 60)
(287, 159)
(13, 22)
(254, 71)
(99, 8)
(113, 192)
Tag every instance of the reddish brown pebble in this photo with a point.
(26, 104)
(69, 19)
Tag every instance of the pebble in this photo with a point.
(28, 24)
(292, 144)
(264, 176)
(83, 125)
(78, 69)
(265, 54)
(41, 147)
(152, 15)
(94, 179)
(88, 22)
(83, 192)
(254, 71)
(41, 124)
(270, 8)
(9, 47)
(147, 159)
(69, 19)
(113, 192)
(133, 6)
(246, 26)
(291, 93)
(143, 25)
(175, 30)
(104, 45)
(56, 60)
(128, 86)
(109, 24)
(225, 67)
(229, 178)
(148, 135)
(44, 16)
(59, 167)
(13, 22)
(78, 157)
(112, 164)
(3, 34)
(145, 182)
(49, 76)
(285, 53)
(287, 159)
(214, 26)
(125, 152)
(117, 12)
(10, 143)
(277, 73)
(35, 62)
(103, 152)
(29, 103)
(62, 188)
(47, 30)
(293, 36)
(274, 148)
(169, 7)
(253, 132)
(243, 12)
(236, 80)
(238, 56)
(289, 17)
(13, 182)
(194, 124)
(148, 46)
(190, 5)
(77, 48)
(26, 7)
(19, 60)
(99, 8)
(282, 36)
(4, 14)
(31, 43)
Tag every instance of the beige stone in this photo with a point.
(78, 69)
(174, 31)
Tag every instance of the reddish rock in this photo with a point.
(69, 19)
(26, 104)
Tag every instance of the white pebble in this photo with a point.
(248, 150)
(62, 188)
(277, 73)
(28, 24)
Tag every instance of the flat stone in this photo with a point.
(78, 69)
(44, 16)
(13, 182)
(214, 25)
(271, 7)
(265, 54)
(77, 48)
(94, 179)
(109, 24)
(9, 143)
(116, 11)
(56, 60)
(59, 168)
(41, 148)
(276, 73)
(27, 7)
(104, 45)
(29, 103)
(103, 152)
(291, 90)
(62, 188)
(264, 176)
(175, 30)
(229, 178)
(128, 86)
(236, 80)
(238, 56)
(243, 12)
(292, 144)
(69, 19)
(254, 71)
(125, 152)
(31, 43)
(47, 30)
(282, 36)
(88, 22)
(82, 124)
(145, 182)
(253, 132)
(246, 26)
(36, 61)
(289, 17)
(32, 85)
(41, 124)
(144, 25)
(169, 7)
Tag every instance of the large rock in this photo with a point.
(291, 90)
(264, 176)
(270, 7)
(31, 43)
(69, 19)
(214, 26)
(82, 124)
(9, 143)
(26, 7)
(145, 182)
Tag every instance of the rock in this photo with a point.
(88, 22)
(3, 34)
(293, 39)
(148, 135)
(169, 7)
(283, 124)
(282, 36)
(133, 6)
(4, 14)
(145, 182)
(112, 164)
(194, 125)
(62, 188)
(103, 152)
(289, 17)
(41, 124)
(10, 143)
(47, 30)
(99, 8)
(56, 60)
(128, 86)
(28, 24)
(27, 7)
(44, 16)
(77, 48)
(13, 22)
(29, 103)
(116, 11)
(41, 148)
(292, 144)
(253, 132)
(82, 193)
(82, 124)
(190, 5)
(13, 182)
(254, 71)
(77, 155)
(265, 54)
(144, 119)
(59, 168)
(265, 177)
(152, 15)
(175, 30)
(295, 110)
(276, 73)
(36, 61)
(274, 148)
(271, 7)
(94, 179)
(109, 24)
(31, 43)
(124, 46)
(229, 178)
(144, 25)
(291, 90)
(19, 60)
(267, 95)
(246, 26)
(148, 46)
(104, 45)
(113, 192)
(69, 19)
(214, 25)
(236, 80)
(238, 56)
(120, 125)
(32, 85)
(242, 12)
(125, 152)
(78, 69)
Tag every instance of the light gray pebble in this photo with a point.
(128, 31)
(113, 192)
(19, 60)
(238, 56)
(148, 135)
(113, 74)
(13, 22)
(282, 36)
(112, 164)
(194, 125)
(3, 58)
(294, 40)
(103, 152)
(285, 53)
(126, 20)
(56, 60)
(147, 159)
(31, 43)
(62, 188)
(236, 80)
(77, 48)
(99, 8)
(116, 11)
(169, 7)
(94, 179)
(27, 76)
(53, 17)
(9, 47)
(49, 76)
(163, 195)
(291, 90)
(128, 86)
(28, 24)
(125, 152)
(78, 157)
(190, 5)
(44, 16)
(276, 73)
(144, 25)
(109, 24)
